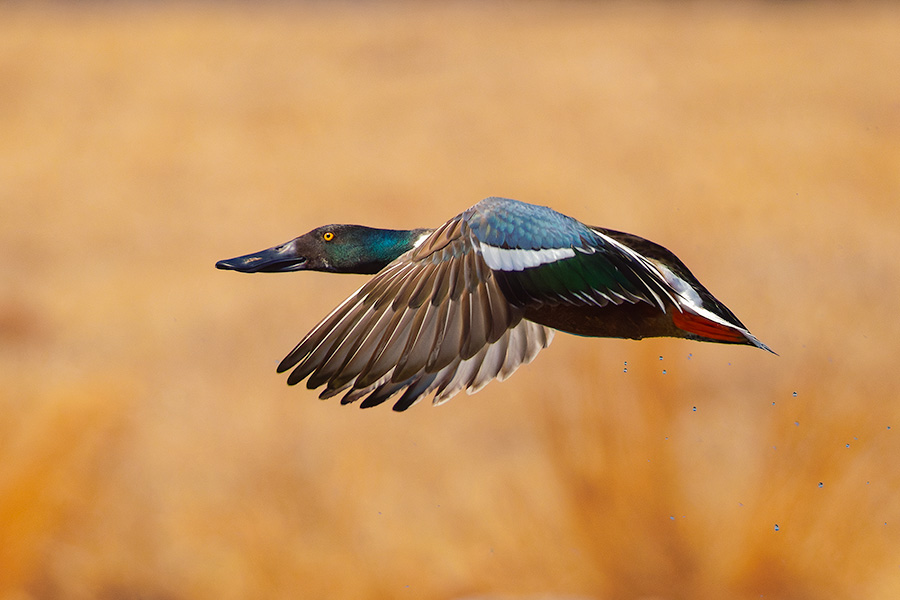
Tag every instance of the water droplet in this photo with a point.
(797, 423)
(889, 426)
(625, 370)
(664, 371)
(794, 394)
(777, 528)
(773, 403)
(672, 517)
(690, 356)
(846, 445)
(660, 357)
(821, 485)
(695, 409)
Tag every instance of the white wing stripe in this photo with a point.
(518, 259)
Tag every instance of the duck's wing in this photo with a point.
(434, 320)
(542, 257)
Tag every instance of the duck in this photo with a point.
(455, 307)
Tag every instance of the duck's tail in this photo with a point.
(713, 329)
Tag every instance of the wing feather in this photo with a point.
(433, 321)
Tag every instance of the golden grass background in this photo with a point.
(148, 449)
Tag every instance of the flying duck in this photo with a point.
(452, 308)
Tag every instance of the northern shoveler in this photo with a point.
(454, 307)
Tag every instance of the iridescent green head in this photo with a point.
(331, 248)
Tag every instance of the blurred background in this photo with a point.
(149, 450)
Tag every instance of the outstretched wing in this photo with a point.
(434, 320)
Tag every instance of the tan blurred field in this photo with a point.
(149, 450)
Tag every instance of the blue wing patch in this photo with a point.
(505, 223)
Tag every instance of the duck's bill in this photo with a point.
(279, 259)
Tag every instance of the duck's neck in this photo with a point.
(379, 248)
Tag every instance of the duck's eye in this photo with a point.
(327, 236)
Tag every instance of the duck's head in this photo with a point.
(331, 248)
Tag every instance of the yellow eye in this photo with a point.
(327, 236)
